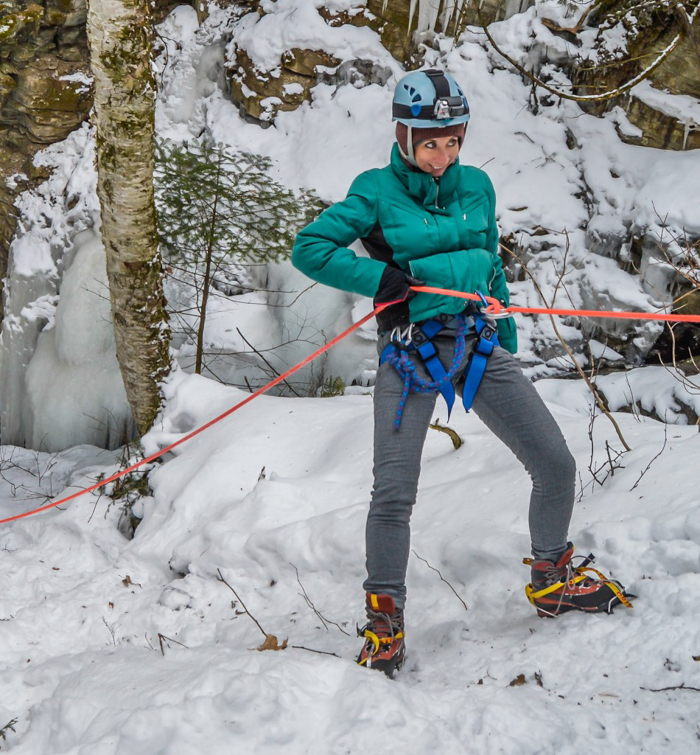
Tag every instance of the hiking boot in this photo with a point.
(384, 648)
(560, 587)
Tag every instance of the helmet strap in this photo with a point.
(409, 155)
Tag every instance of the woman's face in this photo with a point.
(436, 155)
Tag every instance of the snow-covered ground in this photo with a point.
(112, 646)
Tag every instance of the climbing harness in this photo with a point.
(418, 338)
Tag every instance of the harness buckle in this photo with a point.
(419, 338)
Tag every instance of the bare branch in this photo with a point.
(578, 368)
(585, 97)
(442, 578)
(257, 623)
(310, 604)
(646, 469)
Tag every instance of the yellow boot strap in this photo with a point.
(377, 641)
(616, 590)
(580, 577)
(531, 594)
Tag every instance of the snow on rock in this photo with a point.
(113, 646)
(289, 24)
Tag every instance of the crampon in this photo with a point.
(560, 587)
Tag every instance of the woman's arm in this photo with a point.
(321, 249)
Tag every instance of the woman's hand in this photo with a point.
(395, 286)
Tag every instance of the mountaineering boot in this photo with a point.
(560, 587)
(384, 647)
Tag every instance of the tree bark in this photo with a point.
(119, 34)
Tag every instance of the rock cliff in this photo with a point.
(45, 91)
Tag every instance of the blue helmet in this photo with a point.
(429, 99)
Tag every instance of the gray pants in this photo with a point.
(511, 408)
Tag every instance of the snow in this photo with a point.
(81, 79)
(118, 646)
(682, 107)
(290, 24)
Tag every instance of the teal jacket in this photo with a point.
(443, 232)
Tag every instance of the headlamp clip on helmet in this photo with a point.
(448, 107)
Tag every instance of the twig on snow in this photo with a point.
(9, 726)
(162, 637)
(257, 623)
(310, 604)
(669, 689)
(646, 469)
(442, 578)
(454, 437)
(311, 650)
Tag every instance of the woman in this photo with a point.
(426, 220)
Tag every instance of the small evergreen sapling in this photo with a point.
(216, 207)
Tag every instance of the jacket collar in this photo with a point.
(423, 186)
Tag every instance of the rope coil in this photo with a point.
(402, 363)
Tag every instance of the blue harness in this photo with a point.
(418, 338)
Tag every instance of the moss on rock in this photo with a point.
(24, 21)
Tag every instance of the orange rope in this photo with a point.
(495, 307)
(206, 426)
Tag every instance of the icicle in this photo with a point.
(447, 14)
(410, 14)
(453, 10)
(427, 15)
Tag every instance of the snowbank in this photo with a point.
(117, 646)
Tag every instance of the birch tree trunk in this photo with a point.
(119, 34)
